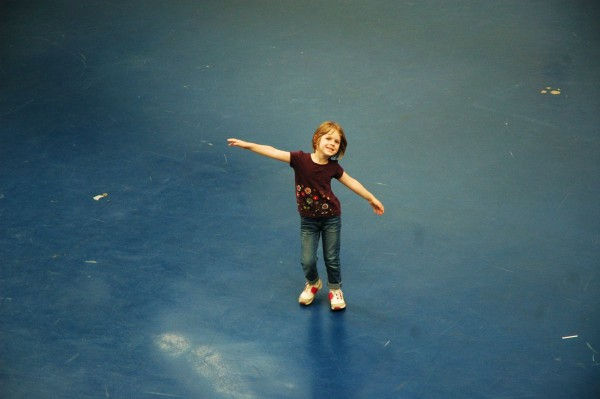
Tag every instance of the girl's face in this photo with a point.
(329, 144)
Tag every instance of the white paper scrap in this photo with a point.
(100, 196)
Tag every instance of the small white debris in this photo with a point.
(570, 336)
(91, 261)
(100, 196)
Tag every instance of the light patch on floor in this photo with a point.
(173, 344)
(231, 368)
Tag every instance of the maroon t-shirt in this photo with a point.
(313, 186)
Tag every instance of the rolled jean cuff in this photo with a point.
(335, 286)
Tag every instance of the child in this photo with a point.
(319, 208)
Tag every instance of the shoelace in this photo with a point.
(337, 295)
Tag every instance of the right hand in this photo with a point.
(237, 143)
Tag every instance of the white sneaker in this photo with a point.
(336, 300)
(308, 295)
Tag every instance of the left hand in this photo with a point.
(377, 206)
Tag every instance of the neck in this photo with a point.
(319, 158)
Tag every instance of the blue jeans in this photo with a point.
(311, 230)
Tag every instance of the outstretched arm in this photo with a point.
(359, 189)
(265, 150)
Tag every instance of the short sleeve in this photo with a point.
(339, 171)
(294, 156)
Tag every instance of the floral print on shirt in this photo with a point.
(309, 200)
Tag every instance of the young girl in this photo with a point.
(319, 208)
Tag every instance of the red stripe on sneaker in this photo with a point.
(314, 290)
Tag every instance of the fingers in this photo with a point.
(378, 208)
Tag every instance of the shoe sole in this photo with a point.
(307, 303)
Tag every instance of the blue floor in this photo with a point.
(476, 123)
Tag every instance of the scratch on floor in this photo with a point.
(18, 108)
(518, 116)
(75, 356)
(563, 200)
(83, 59)
(164, 156)
(170, 395)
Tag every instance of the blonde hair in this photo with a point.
(327, 127)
